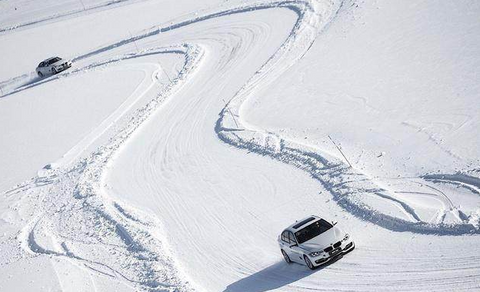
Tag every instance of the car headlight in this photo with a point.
(346, 237)
(315, 253)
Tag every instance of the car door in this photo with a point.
(46, 68)
(287, 245)
(296, 253)
(49, 67)
(285, 242)
(40, 68)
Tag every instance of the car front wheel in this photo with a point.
(308, 262)
(286, 257)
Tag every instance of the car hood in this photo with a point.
(324, 240)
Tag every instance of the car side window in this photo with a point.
(285, 237)
(292, 238)
(40, 65)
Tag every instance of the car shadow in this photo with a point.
(274, 277)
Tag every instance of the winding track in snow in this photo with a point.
(86, 174)
(77, 215)
(60, 216)
(348, 185)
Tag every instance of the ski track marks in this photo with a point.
(78, 212)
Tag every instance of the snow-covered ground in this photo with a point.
(188, 134)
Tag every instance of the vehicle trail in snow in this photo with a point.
(79, 214)
(75, 187)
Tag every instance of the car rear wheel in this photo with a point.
(308, 262)
(40, 74)
(286, 257)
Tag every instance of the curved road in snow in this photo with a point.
(169, 197)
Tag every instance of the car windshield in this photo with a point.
(312, 230)
(56, 59)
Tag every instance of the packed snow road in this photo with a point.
(222, 216)
(168, 192)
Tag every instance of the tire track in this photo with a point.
(74, 211)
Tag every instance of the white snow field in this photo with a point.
(188, 134)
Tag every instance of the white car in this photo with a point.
(52, 65)
(314, 241)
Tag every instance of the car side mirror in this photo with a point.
(334, 223)
(293, 245)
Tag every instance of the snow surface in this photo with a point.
(188, 134)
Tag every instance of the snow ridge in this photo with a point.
(349, 186)
(75, 218)
(76, 215)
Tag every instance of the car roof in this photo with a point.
(302, 223)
